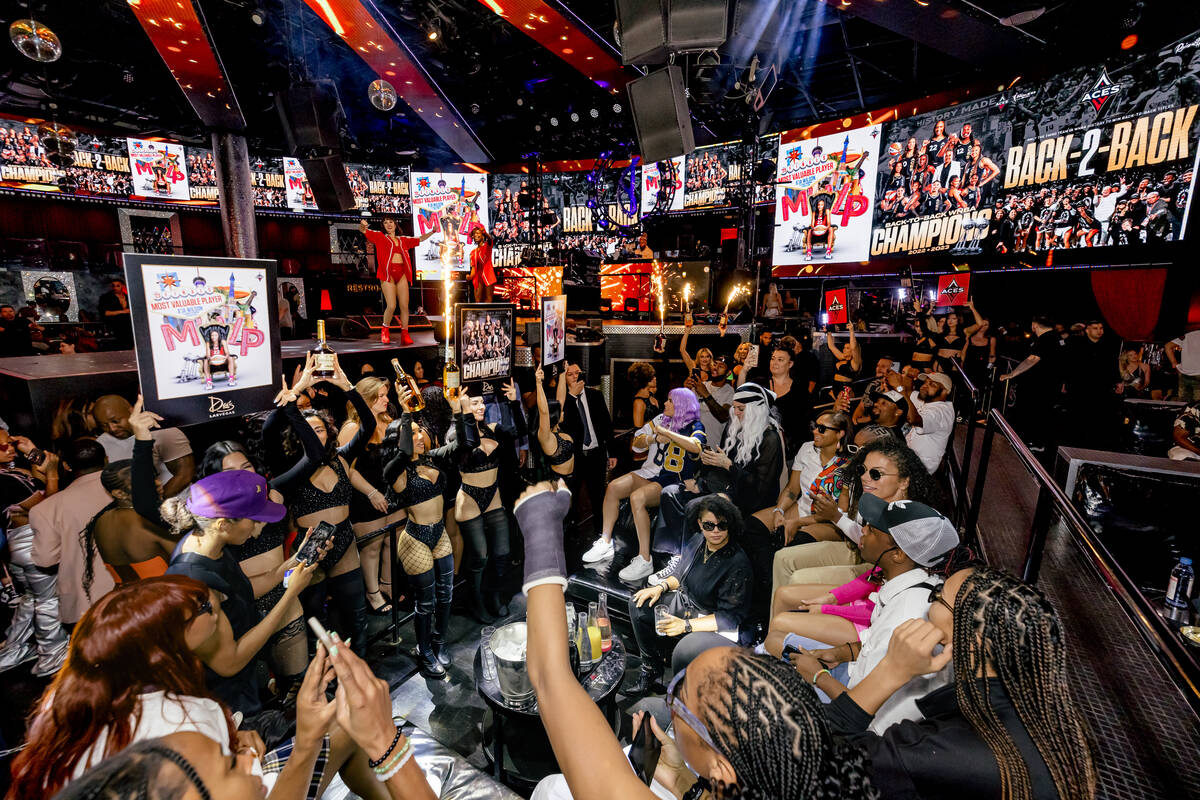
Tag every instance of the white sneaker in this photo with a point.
(601, 549)
(636, 570)
(661, 575)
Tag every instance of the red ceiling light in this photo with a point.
(1129, 42)
(354, 23)
(199, 74)
(549, 27)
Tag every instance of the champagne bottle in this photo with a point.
(593, 632)
(605, 624)
(582, 643)
(415, 402)
(324, 357)
(450, 377)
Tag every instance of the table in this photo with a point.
(520, 752)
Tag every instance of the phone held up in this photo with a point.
(645, 750)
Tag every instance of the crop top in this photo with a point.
(397, 453)
(564, 450)
(511, 427)
(314, 452)
(308, 499)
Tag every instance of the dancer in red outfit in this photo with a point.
(395, 272)
(483, 275)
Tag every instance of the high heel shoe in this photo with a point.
(383, 610)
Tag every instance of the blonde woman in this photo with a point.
(369, 523)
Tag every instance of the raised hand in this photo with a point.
(142, 421)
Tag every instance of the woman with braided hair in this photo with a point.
(1007, 727)
(747, 725)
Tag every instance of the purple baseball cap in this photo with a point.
(234, 494)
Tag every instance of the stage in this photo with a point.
(31, 387)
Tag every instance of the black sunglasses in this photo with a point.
(935, 596)
(875, 474)
(714, 526)
(819, 428)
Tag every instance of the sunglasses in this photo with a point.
(819, 428)
(875, 474)
(935, 596)
(678, 709)
(714, 526)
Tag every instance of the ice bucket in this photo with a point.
(508, 646)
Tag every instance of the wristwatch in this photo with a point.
(687, 626)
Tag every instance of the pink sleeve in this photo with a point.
(858, 589)
(858, 612)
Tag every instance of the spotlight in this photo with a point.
(520, 101)
(616, 108)
(474, 108)
(258, 17)
(433, 30)
(574, 117)
(382, 94)
(554, 122)
(594, 114)
(537, 128)
(1129, 42)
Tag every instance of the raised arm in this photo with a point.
(143, 473)
(970, 329)
(584, 745)
(544, 434)
(855, 350)
(833, 348)
(688, 361)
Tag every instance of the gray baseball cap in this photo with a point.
(921, 533)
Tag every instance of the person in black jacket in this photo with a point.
(1007, 726)
(587, 421)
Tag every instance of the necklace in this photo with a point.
(707, 554)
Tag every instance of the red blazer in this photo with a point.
(385, 248)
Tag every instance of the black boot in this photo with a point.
(478, 612)
(495, 597)
(649, 681)
(427, 661)
(443, 589)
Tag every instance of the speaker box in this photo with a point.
(660, 115)
(650, 29)
(311, 115)
(329, 184)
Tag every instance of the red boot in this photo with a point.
(385, 335)
(405, 339)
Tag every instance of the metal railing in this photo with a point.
(1053, 504)
(959, 469)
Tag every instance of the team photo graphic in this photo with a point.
(484, 340)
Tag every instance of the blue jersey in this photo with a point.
(671, 462)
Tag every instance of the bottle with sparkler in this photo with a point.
(660, 341)
(687, 304)
(734, 293)
(451, 376)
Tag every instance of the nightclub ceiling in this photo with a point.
(494, 81)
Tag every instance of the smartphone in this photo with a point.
(322, 635)
(321, 534)
(752, 356)
(645, 750)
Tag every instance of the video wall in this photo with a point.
(1103, 155)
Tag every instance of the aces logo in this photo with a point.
(952, 291)
(1103, 89)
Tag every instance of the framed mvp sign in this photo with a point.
(484, 340)
(206, 335)
(554, 329)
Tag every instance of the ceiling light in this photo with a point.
(1129, 42)
(433, 30)
(258, 16)
(594, 114)
(554, 122)
(538, 128)
(574, 117)
(35, 40)
(616, 108)
(382, 95)
(1022, 17)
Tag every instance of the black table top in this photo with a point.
(489, 690)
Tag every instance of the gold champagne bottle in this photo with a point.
(450, 377)
(325, 359)
(415, 402)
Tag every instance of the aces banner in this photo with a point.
(652, 182)
(449, 204)
(1100, 155)
(823, 199)
(954, 290)
(205, 334)
(158, 170)
(835, 307)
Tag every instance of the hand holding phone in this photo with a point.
(645, 750)
(752, 356)
(310, 551)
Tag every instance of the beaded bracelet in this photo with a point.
(818, 675)
(392, 761)
(375, 763)
(405, 754)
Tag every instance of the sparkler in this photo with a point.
(446, 287)
(734, 293)
(687, 298)
(660, 341)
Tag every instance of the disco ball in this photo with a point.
(59, 142)
(382, 94)
(35, 40)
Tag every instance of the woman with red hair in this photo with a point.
(131, 675)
